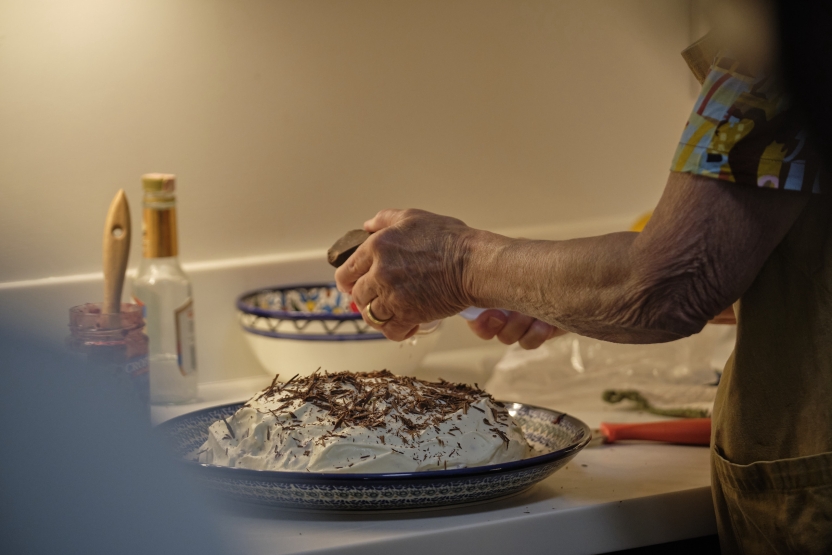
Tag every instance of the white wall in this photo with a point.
(289, 122)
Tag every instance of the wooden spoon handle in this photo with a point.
(116, 252)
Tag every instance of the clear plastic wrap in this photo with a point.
(673, 378)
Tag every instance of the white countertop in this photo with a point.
(608, 498)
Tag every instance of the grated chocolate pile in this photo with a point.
(370, 399)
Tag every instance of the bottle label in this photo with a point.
(185, 340)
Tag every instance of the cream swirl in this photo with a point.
(374, 423)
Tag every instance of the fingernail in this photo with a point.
(494, 323)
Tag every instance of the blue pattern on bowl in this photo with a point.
(557, 436)
(308, 312)
(305, 301)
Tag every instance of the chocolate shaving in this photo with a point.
(271, 389)
(281, 407)
(230, 431)
(503, 436)
(352, 399)
(287, 383)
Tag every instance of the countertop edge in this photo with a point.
(601, 528)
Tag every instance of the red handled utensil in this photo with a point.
(688, 431)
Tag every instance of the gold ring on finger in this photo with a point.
(372, 317)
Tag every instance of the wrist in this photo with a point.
(482, 252)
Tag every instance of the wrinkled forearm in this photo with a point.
(701, 250)
(598, 287)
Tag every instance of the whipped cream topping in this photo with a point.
(365, 422)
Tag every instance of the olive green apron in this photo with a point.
(772, 435)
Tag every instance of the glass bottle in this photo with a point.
(165, 291)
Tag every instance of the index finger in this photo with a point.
(385, 218)
(356, 266)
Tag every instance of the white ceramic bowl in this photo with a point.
(297, 329)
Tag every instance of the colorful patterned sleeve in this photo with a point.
(742, 130)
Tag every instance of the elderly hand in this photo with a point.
(514, 327)
(410, 271)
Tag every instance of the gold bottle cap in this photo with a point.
(159, 182)
(159, 222)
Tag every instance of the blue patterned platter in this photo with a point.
(555, 437)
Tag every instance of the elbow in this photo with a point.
(674, 307)
(675, 287)
(676, 320)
